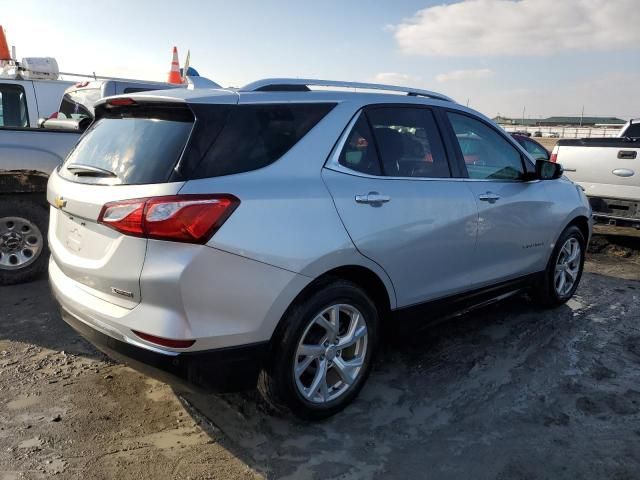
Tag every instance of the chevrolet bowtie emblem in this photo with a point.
(60, 202)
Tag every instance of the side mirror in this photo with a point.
(546, 170)
(67, 124)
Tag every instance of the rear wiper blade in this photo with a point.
(81, 169)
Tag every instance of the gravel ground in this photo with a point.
(508, 392)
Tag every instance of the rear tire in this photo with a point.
(318, 365)
(564, 270)
(23, 240)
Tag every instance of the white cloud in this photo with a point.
(524, 27)
(393, 78)
(455, 75)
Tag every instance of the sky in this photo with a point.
(540, 57)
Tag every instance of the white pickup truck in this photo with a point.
(30, 148)
(608, 169)
(28, 154)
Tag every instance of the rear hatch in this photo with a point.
(130, 152)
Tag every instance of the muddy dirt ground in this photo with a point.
(508, 392)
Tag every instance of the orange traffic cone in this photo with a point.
(174, 74)
(4, 48)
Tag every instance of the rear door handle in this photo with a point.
(627, 154)
(489, 197)
(373, 198)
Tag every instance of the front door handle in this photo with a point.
(627, 154)
(373, 198)
(489, 197)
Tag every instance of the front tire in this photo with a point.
(23, 240)
(322, 353)
(564, 270)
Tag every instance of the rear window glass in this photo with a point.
(127, 151)
(79, 104)
(255, 136)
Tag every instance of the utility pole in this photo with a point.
(582, 115)
(523, 110)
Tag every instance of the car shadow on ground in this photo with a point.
(509, 391)
(423, 382)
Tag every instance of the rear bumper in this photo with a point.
(225, 369)
(228, 304)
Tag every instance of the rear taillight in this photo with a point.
(554, 157)
(178, 218)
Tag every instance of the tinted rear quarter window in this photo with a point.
(359, 151)
(254, 136)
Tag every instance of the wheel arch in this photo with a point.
(582, 222)
(380, 292)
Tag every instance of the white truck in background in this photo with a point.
(40, 122)
(608, 169)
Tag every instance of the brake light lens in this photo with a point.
(554, 157)
(177, 218)
(121, 102)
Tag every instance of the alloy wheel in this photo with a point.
(331, 353)
(567, 266)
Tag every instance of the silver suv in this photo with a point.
(265, 236)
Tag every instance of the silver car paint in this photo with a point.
(286, 232)
(243, 301)
(94, 255)
(516, 225)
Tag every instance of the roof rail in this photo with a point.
(302, 84)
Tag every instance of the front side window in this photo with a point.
(487, 155)
(409, 142)
(359, 151)
(13, 106)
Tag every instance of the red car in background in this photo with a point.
(535, 149)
